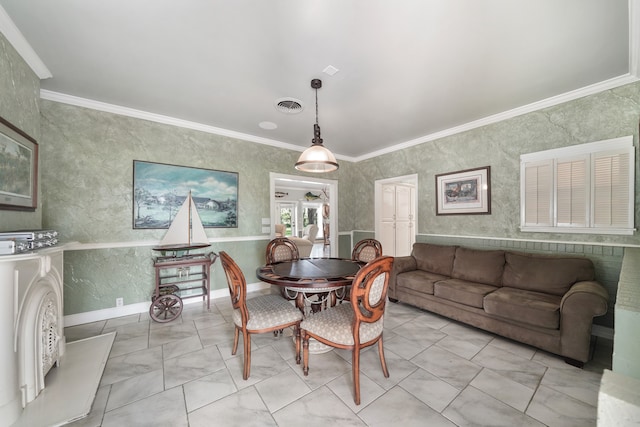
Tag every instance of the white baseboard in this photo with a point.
(602, 332)
(143, 307)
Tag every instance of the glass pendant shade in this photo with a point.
(318, 159)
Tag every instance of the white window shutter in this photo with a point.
(585, 188)
(572, 192)
(611, 190)
(538, 193)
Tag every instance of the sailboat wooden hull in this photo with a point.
(183, 247)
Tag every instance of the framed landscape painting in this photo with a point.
(159, 190)
(465, 192)
(18, 169)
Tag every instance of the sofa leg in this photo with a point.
(393, 300)
(574, 362)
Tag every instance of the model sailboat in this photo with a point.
(186, 231)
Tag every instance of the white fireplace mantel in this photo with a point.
(27, 281)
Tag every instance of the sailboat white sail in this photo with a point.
(186, 230)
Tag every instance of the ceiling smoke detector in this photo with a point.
(289, 105)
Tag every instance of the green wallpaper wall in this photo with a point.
(606, 115)
(19, 95)
(87, 158)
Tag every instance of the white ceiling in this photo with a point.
(409, 71)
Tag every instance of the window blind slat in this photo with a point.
(572, 193)
(538, 194)
(611, 190)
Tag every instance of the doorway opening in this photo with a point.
(299, 201)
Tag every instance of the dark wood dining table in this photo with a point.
(324, 278)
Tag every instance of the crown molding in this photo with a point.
(535, 106)
(22, 46)
(159, 118)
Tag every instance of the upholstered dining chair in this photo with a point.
(366, 250)
(281, 249)
(356, 325)
(257, 315)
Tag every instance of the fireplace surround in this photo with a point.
(31, 326)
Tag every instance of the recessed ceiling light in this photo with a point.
(268, 125)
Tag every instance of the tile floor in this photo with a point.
(442, 373)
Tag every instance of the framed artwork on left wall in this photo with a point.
(160, 189)
(18, 169)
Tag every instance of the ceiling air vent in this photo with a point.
(289, 105)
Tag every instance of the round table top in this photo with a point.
(310, 272)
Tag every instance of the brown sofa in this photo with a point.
(545, 301)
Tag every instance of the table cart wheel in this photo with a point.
(166, 308)
(165, 290)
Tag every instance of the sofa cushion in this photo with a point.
(462, 291)
(478, 266)
(549, 274)
(434, 258)
(532, 308)
(418, 280)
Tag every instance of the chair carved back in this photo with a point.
(369, 291)
(281, 249)
(366, 250)
(237, 285)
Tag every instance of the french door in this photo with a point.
(287, 213)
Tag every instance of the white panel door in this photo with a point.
(405, 225)
(404, 238)
(388, 202)
(397, 228)
(404, 204)
(388, 237)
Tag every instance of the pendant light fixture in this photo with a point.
(316, 158)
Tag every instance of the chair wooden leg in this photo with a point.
(383, 362)
(235, 341)
(305, 354)
(296, 331)
(247, 354)
(355, 362)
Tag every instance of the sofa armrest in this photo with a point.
(578, 307)
(586, 297)
(401, 264)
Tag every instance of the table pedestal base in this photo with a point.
(316, 347)
(313, 300)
